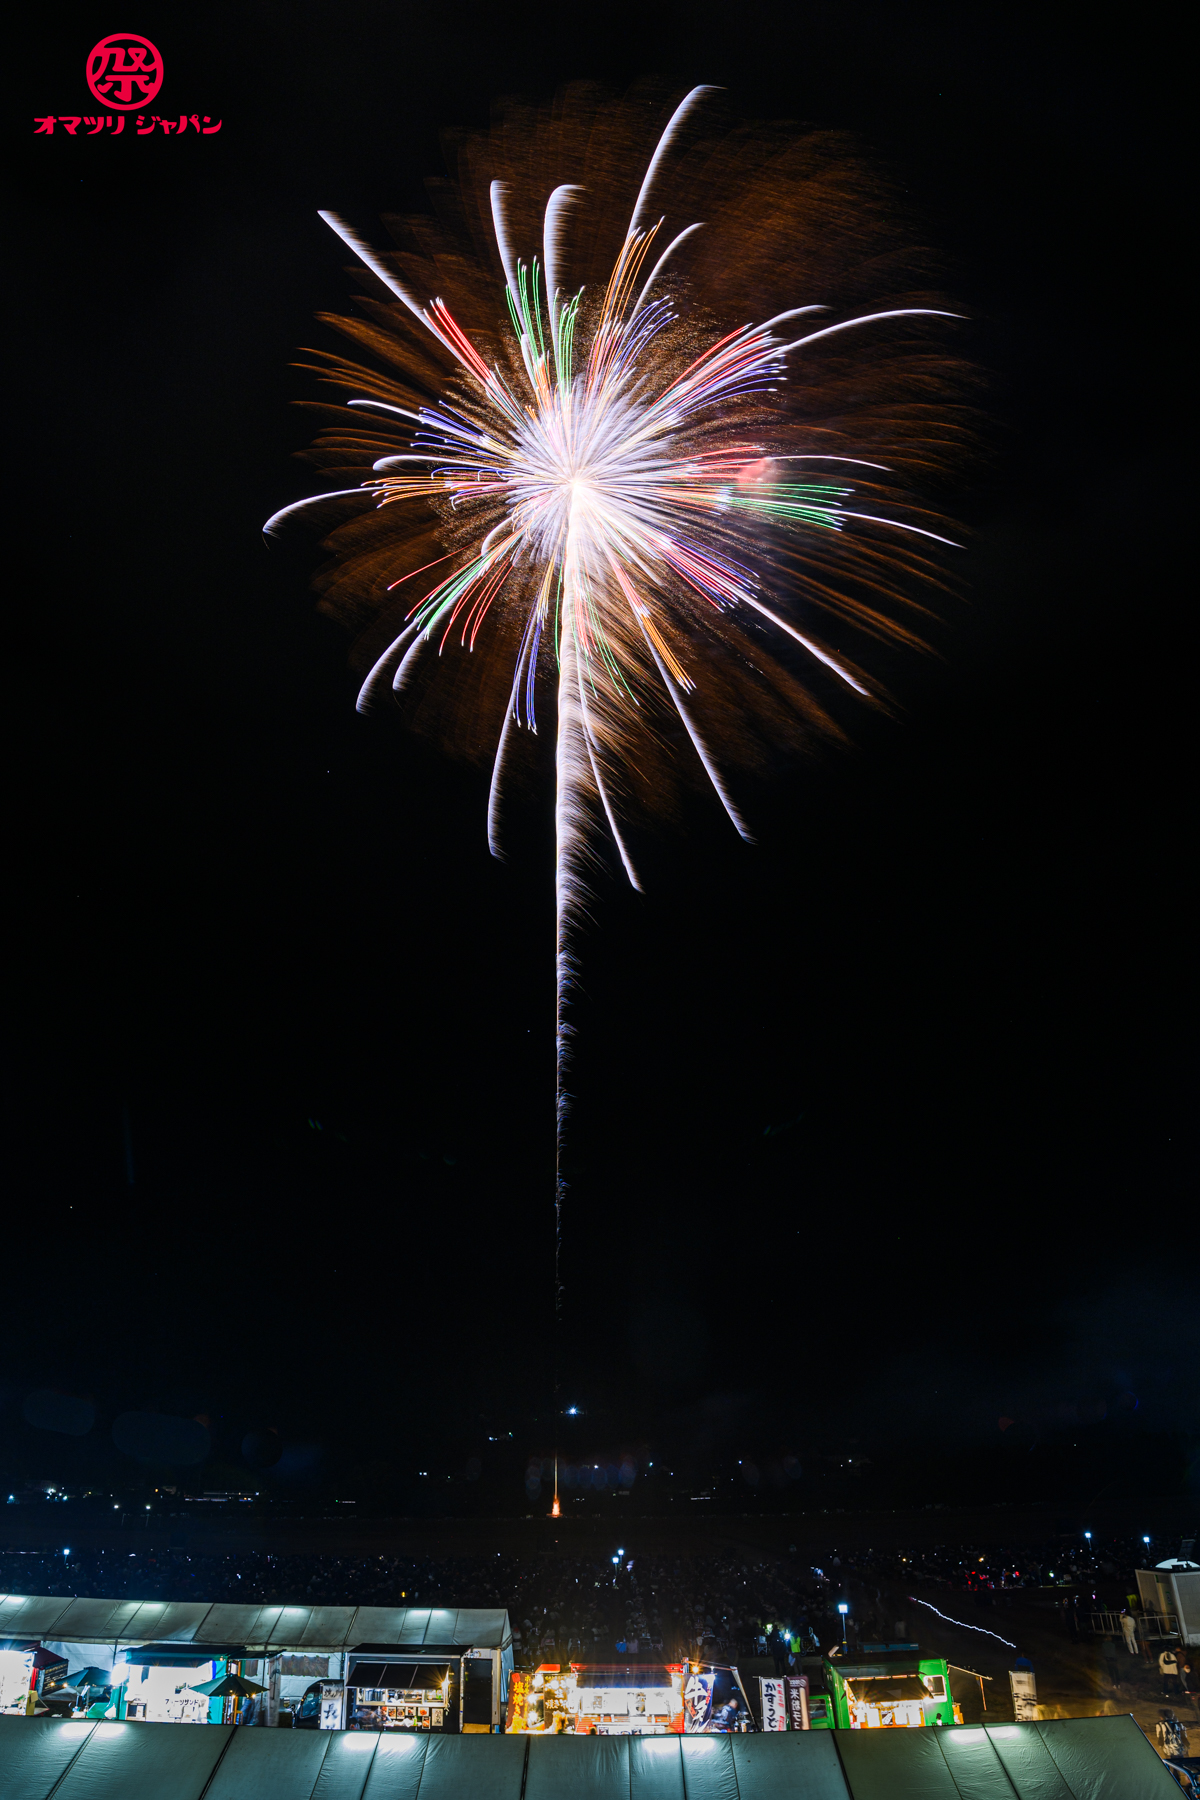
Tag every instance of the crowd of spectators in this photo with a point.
(561, 1607)
(719, 1605)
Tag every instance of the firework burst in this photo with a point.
(630, 496)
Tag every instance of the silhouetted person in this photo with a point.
(1168, 1668)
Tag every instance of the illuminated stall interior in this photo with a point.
(402, 1696)
(896, 1687)
(160, 1687)
(30, 1674)
(16, 1679)
(624, 1700)
(892, 1699)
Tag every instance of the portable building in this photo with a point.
(1173, 1590)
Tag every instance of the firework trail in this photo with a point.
(630, 493)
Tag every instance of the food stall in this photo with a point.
(160, 1683)
(630, 1699)
(164, 1649)
(29, 1674)
(403, 1696)
(889, 1686)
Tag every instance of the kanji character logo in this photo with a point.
(124, 71)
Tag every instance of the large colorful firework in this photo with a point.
(628, 506)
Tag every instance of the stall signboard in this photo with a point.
(714, 1699)
(1024, 1695)
(785, 1703)
(774, 1706)
(699, 1689)
(796, 1691)
(518, 1714)
(333, 1705)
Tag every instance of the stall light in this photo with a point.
(67, 1551)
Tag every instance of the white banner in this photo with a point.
(333, 1700)
(774, 1705)
(1024, 1695)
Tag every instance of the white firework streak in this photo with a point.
(961, 1623)
(609, 500)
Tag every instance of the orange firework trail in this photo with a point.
(627, 493)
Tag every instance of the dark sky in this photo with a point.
(880, 1133)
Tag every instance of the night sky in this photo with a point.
(880, 1135)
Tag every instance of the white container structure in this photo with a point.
(1173, 1590)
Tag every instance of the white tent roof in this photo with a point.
(260, 1629)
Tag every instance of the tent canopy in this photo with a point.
(397, 1675)
(1066, 1759)
(259, 1630)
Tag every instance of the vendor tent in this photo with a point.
(258, 1630)
(1066, 1759)
(193, 1631)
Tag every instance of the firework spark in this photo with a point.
(616, 496)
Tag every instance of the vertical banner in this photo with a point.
(333, 1706)
(697, 1702)
(796, 1687)
(1024, 1695)
(774, 1704)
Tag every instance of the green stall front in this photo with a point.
(1065, 1759)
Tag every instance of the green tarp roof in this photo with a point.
(1066, 1759)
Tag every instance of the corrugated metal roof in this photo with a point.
(258, 1628)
